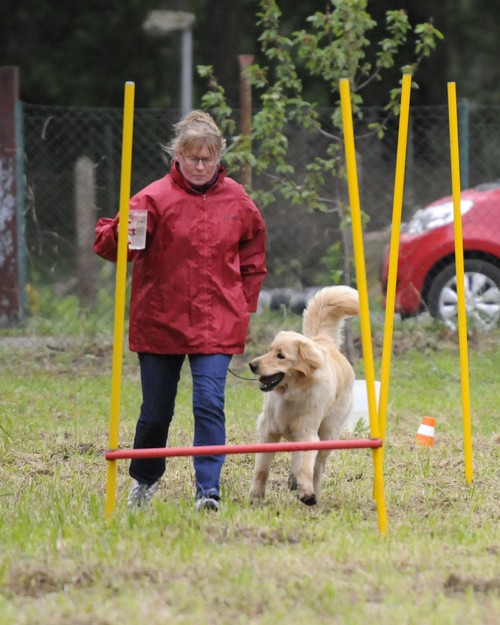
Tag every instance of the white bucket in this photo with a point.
(359, 413)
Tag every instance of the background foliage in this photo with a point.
(83, 57)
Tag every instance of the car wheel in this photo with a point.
(482, 294)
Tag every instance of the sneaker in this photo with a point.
(207, 503)
(141, 494)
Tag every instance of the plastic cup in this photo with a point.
(137, 228)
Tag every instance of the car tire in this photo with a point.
(482, 294)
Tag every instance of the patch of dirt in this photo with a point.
(81, 449)
(35, 580)
(458, 585)
(252, 535)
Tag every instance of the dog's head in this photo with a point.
(292, 359)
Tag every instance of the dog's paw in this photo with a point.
(256, 501)
(309, 500)
(256, 497)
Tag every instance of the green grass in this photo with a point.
(62, 562)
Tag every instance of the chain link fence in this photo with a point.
(72, 171)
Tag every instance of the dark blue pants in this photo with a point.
(160, 375)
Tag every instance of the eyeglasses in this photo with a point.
(194, 160)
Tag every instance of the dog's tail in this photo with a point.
(326, 311)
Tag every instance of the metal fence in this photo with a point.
(58, 140)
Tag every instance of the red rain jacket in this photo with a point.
(199, 277)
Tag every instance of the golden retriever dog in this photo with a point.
(308, 384)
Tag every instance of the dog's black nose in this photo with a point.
(253, 367)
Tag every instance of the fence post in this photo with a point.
(463, 125)
(85, 204)
(11, 210)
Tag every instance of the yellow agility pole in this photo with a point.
(397, 209)
(121, 278)
(359, 258)
(459, 264)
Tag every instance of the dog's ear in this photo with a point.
(308, 359)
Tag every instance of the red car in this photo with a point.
(426, 277)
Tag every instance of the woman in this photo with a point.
(194, 286)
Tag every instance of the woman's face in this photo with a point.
(198, 165)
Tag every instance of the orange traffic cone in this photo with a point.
(425, 434)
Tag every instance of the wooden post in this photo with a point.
(10, 282)
(85, 204)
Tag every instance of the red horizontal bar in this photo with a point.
(219, 450)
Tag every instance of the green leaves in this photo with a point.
(335, 46)
(426, 42)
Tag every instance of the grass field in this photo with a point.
(61, 562)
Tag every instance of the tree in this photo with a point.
(334, 47)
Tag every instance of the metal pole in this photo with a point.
(121, 278)
(159, 23)
(459, 262)
(397, 210)
(262, 448)
(359, 257)
(186, 71)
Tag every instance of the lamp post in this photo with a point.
(160, 23)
